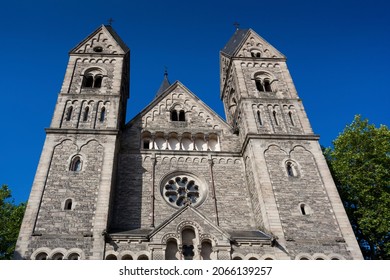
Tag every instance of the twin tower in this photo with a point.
(178, 181)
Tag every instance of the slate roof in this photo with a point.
(117, 38)
(249, 235)
(164, 85)
(235, 41)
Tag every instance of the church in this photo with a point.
(178, 182)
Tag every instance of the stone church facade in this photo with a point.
(178, 181)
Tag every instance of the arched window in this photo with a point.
(98, 81)
(263, 81)
(146, 144)
(102, 114)
(255, 53)
(303, 210)
(41, 256)
(237, 258)
(127, 257)
(68, 204)
(171, 250)
(143, 257)
(174, 116)
(182, 116)
(75, 164)
(259, 118)
(69, 113)
(291, 168)
(92, 79)
(178, 116)
(74, 256)
(267, 85)
(188, 237)
(86, 113)
(88, 81)
(58, 256)
(275, 117)
(259, 85)
(111, 257)
(291, 118)
(206, 250)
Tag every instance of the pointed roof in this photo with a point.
(109, 32)
(164, 85)
(235, 41)
(239, 38)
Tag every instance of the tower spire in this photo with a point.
(165, 83)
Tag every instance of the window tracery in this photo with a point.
(181, 190)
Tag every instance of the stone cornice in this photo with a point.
(82, 131)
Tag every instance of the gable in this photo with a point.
(157, 116)
(104, 40)
(247, 43)
(186, 217)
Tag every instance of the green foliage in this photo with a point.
(360, 164)
(11, 217)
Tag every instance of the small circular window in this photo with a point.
(98, 49)
(181, 190)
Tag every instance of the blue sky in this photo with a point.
(337, 51)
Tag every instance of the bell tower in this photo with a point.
(292, 193)
(68, 208)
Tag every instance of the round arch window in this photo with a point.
(179, 190)
(98, 49)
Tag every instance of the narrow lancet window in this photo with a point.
(75, 164)
(85, 116)
(259, 118)
(290, 170)
(69, 113)
(102, 114)
(182, 116)
(303, 210)
(275, 118)
(291, 118)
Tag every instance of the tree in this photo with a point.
(11, 217)
(360, 165)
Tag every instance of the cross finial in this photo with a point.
(110, 21)
(236, 24)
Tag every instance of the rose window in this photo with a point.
(182, 190)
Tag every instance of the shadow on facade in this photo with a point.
(128, 197)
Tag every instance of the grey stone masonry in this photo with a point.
(178, 181)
